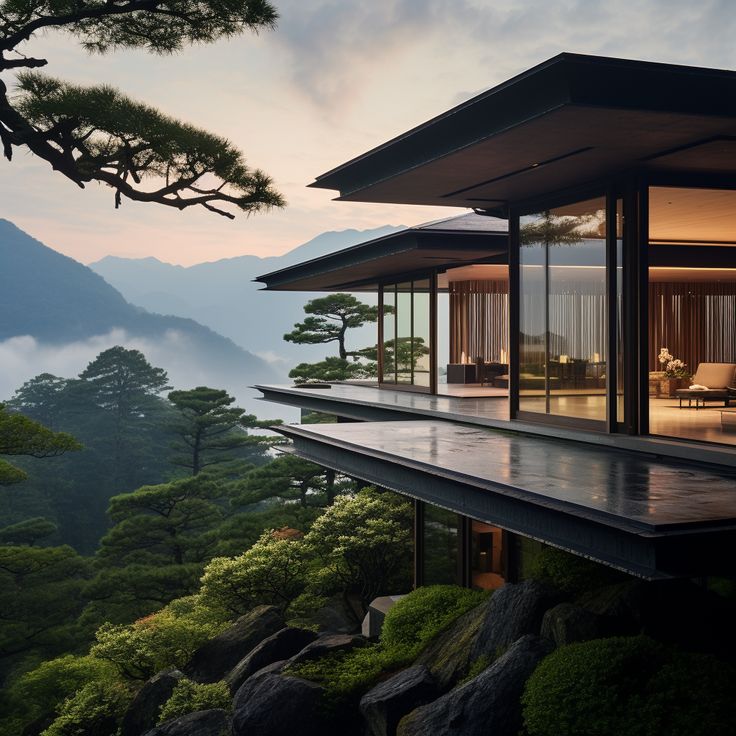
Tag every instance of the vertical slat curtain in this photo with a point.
(696, 322)
(479, 319)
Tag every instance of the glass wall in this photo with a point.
(441, 545)
(620, 343)
(407, 334)
(563, 318)
(457, 550)
(692, 314)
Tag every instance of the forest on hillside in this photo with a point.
(138, 521)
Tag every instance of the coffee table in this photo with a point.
(701, 396)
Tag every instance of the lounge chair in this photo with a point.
(718, 380)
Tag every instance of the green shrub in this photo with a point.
(572, 573)
(628, 686)
(167, 638)
(420, 616)
(41, 690)
(95, 709)
(409, 626)
(189, 697)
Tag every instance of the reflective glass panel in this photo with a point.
(563, 322)
(441, 546)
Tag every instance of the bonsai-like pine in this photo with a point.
(97, 133)
(333, 316)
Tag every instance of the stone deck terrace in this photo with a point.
(370, 403)
(646, 515)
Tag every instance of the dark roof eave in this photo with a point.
(562, 80)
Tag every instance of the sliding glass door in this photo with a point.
(563, 313)
(406, 334)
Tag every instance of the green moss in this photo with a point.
(409, 626)
(190, 697)
(629, 686)
(476, 667)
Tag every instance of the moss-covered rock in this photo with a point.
(447, 656)
(487, 704)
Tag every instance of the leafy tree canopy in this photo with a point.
(124, 381)
(97, 133)
(272, 571)
(27, 532)
(20, 435)
(364, 543)
(333, 316)
(40, 597)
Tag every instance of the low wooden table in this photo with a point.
(701, 397)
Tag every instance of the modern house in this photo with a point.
(521, 392)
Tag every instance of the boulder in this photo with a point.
(216, 657)
(334, 616)
(513, 611)
(142, 713)
(448, 655)
(487, 705)
(566, 623)
(281, 645)
(326, 644)
(214, 722)
(385, 705)
(269, 704)
(376, 615)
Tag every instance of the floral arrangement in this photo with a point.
(673, 367)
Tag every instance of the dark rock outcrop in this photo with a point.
(326, 644)
(214, 722)
(269, 704)
(216, 657)
(385, 705)
(142, 714)
(448, 656)
(279, 646)
(567, 623)
(334, 616)
(673, 611)
(487, 704)
(514, 610)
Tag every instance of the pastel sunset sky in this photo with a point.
(335, 78)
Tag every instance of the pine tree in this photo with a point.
(97, 134)
(210, 431)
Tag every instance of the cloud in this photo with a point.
(24, 357)
(337, 46)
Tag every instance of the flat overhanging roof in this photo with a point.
(570, 120)
(648, 516)
(455, 241)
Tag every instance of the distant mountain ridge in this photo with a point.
(221, 294)
(58, 301)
